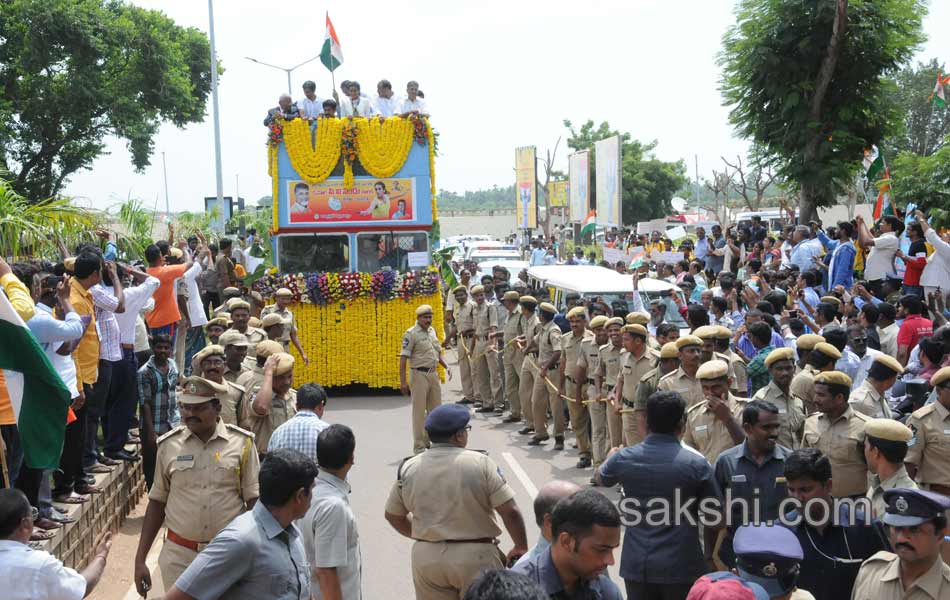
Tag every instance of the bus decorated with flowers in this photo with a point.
(354, 206)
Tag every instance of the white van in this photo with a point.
(606, 284)
(774, 220)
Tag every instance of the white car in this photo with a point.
(514, 267)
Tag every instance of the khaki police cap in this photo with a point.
(636, 329)
(459, 288)
(232, 338)
(779, 354)
(220, 321)
(578, 312)
(212, 350)
(478, 289)
(230, 291)
(284, 292)
(833, 378)
(285, 363)
(712, 369)
(705, 332)
(236, 303)
(548, 307)
(638, 318)
(831, 300)
(828, 350)
(598, 321)
(271, 320)
(688, 340)
(890, 362)
(254, 322)
(511, 296)
(615, 321)
(940, 376)
(423, 309)
(70, 264)
(198, 390)
(808, 341)
(669, 350)
(528, 300)
(888, 429)
(722, 332)
(265, 348)
(256, 296)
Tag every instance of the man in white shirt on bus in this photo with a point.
(311, 105)
(355, 104)
(386, 103)
(413, 104)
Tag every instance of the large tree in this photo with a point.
(807, 80)
(73, 72)
(648, 184)
(925, 181)
(923, 127)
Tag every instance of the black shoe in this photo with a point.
(526, 430)
(109, 462)
(485, 409)
(583, 463)
(465, 401)
(511, 419)
(124, 455)
(559, 442)
(537, 441)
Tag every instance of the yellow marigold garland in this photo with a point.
(383, 146)
(435, 208)
(272, 171)
(313, 164)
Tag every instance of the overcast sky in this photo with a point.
(496, 74)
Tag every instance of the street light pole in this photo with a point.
(219, 182)
(287, 70)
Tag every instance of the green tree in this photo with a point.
(73, 72)
(807, 80)
(925, 181)
(923, 127)
(487, 199)
(648, 184)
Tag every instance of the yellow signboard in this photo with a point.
(525, 191)
(558, 191)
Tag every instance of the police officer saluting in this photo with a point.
(422, 354)
(205, 475)
(452, 494)
(917, 523)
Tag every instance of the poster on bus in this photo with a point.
(579, 173)
(527, 195)
(368, 201)
(607, 167)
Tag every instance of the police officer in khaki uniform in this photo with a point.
(636, 360)
(683, 379)
(528, 345)
(838, 431)
(216, 327)
(227, 294)
(235, 352)
(708, 333)
(723, 335)
(714, 425)
(574, 389)
(209, 363)
(485, 367)
(269, 406)
(608, 369)
(804, 346)
(273, 326)
(546, 395)
(929, 455)
(791, 409)
(885, 447)
(452, 494)
(205, 475)
(870, 398)
(283, 298)
(588, 365)
(422, 354)
(916, 522)
(821, 359)
(511, 354)
(465, 334)
(255, 375)
(240, 317)
(669, 362)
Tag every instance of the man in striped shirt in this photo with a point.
(157, 380)
(300, 431)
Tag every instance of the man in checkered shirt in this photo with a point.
(300, 431)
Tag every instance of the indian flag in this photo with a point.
(873, 163)
(939, 95)
(883, 206)
(589, 224)
(331, 55)
(37, 394)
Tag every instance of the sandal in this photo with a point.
(73, 498)
(99, 468)
(40, 535)
(64, 519)
(88, 489)
(46, 524)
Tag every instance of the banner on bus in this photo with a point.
(369, 201)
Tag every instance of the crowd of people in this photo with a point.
(352, 103)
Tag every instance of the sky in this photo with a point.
(496, 74)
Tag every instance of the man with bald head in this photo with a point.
(286, 109)
(548, 496)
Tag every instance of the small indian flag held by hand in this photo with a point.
(331, 55)
(882, 207)
(873, 163)
(589, 224)
(939, 95)
(38, 396)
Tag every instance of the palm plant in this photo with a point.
(35, 229)
(137, 222)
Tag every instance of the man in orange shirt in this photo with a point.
(166, 315)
